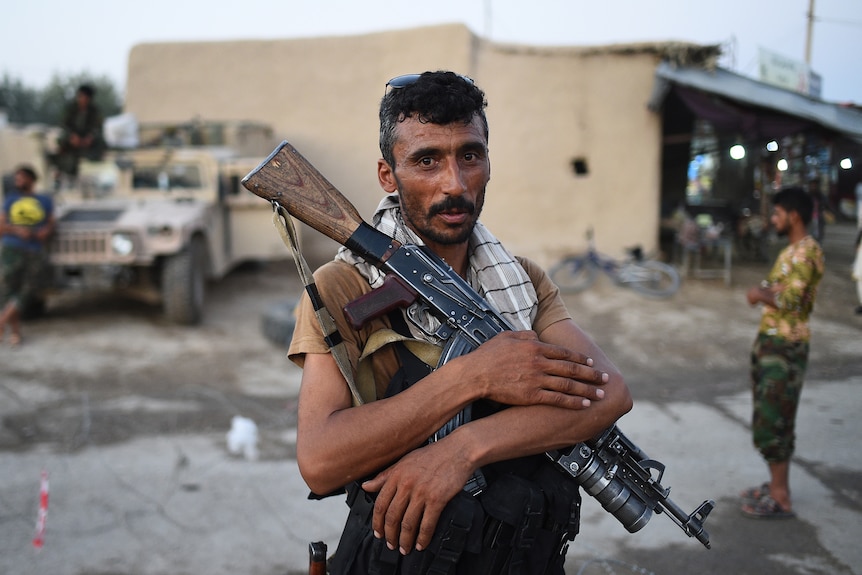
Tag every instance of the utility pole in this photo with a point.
(809, 33)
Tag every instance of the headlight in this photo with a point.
(122, 244)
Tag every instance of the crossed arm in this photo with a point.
(558, 396)
(41, 233)
(790, 291)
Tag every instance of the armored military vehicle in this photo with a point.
(159, 221)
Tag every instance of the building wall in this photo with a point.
(24, 145)
(549, 108)
(546, 107)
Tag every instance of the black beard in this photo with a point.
(431, 235)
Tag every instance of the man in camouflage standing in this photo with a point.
(780, 353)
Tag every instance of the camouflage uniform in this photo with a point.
(83, 123)
(23, 275)
(779, 356)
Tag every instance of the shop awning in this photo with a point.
(751, 108)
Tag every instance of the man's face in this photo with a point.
(23, 181)
(82, 99)
(781, 220)
(440, 174)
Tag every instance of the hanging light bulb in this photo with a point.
(737, 151)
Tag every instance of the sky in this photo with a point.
(40, 38)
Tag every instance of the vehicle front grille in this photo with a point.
(81, 247)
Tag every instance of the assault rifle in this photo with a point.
(610, 468)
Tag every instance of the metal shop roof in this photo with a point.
(727, 99)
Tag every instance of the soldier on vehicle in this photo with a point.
(82, 133)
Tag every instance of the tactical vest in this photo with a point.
(521, 524)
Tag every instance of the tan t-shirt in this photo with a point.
(339, 283)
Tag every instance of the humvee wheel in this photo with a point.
(277, 322)
(183, 285)
(35, 309)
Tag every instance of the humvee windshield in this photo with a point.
(183, 176)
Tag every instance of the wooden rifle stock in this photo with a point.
(288, 179)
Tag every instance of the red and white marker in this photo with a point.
(39, 539)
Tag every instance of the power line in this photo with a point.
(841, 21)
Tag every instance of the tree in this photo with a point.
(25, 105)
(20, 102)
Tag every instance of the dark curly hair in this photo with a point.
(87, 89)
(434, 97)
(795, 199)
(27, 170)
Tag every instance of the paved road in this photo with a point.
(129, 415)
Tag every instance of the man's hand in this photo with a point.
(412, 493)
(23, 232)
(43, 234)
(515, 368)
(753, 295)
(762, 294)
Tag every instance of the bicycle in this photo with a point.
(648, 277)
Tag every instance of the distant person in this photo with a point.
(857, 262)
(818, 213)
(779, 356)
(859, 205)
(857, 270)
(26, 225)
(82, 133)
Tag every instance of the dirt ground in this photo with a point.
(103, 371)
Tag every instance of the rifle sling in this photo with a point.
(362, 387)
(284, 224)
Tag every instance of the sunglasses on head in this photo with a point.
(407, 79)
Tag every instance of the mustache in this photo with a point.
(453, 203)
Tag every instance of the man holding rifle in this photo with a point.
(542, 387)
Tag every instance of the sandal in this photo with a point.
(15, 340)
(766, 508)
(755, 493)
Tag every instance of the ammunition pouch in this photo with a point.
(517, 526)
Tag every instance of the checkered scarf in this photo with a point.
(493, 272)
